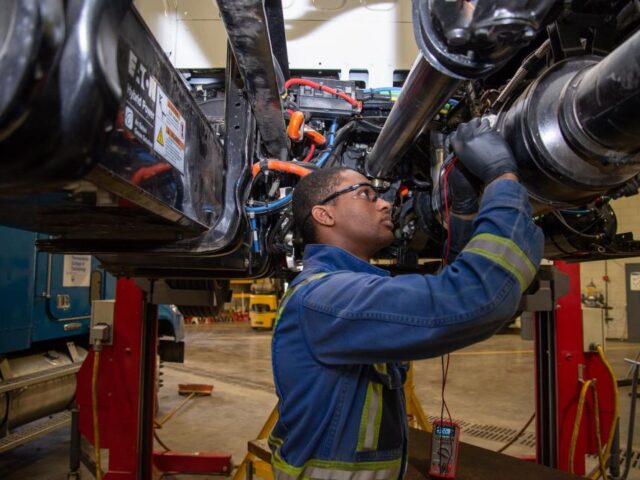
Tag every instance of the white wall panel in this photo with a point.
(370, 35)
(628, 221)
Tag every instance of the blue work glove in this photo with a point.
(464, 191)
(482, 150)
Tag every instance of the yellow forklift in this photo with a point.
(263, 303)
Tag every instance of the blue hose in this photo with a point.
(254, 233)
(575, 212)
(270, 206)
(332, 138)
(382, 89)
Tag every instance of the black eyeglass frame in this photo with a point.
(335, 195)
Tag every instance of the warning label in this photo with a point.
(169, 131)
(151, 116)
(140, 101)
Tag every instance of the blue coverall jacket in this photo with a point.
(346, 326)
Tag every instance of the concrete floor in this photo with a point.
(490, 384)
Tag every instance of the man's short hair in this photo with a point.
(309, 192)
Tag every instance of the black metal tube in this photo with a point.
(425, 91)
(74, 445)
(607, 101)
(148, 353)
(614, 458)
(632, 418)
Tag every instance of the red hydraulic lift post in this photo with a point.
(561, 365)
(126, 374)
(126, 396)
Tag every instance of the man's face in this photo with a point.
(359, 220)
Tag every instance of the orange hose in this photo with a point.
(296, 125)
(282, 167)
(314, 136)
(145, 173)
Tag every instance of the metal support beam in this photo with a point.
(248, 32)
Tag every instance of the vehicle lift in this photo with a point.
(126, 384)
(563, 365)
(126, 392)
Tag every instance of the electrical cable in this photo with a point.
(295, 127)
(616, 411)
(517, 435)
(446, 207)
(370, 124)
(576, 426)
(561, 219)
(576, 212)
(297, 130)
(159, 440)
(284, 201)
(94, 408)
(331, 143)
(324, 88)
(279, 165)
(309, 156)
(596, 419)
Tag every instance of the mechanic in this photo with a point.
(345, 327)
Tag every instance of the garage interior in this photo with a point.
(147, 237)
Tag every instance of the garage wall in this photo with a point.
(375, 36)
(628, 213)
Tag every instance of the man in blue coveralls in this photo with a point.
(345, 326)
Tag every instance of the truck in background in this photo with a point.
(45, 314)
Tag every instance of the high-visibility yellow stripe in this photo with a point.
(505, 253)
(371, 418)
(333, 470)
(291, 291)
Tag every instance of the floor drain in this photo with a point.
(528, 439)
(494, 433)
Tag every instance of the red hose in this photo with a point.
(312, 150)
(317, 86)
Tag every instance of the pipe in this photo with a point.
(607, 99)
(425, 91)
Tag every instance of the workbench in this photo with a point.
(474, 463)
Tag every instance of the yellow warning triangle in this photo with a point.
(160, 138)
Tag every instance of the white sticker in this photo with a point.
(76, 271)
(170, 130)
(635, 281)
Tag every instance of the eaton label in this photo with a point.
(140, 101)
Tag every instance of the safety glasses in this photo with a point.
(369, 193)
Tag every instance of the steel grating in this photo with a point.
(528, 439)
(494, 433)
(34, 430)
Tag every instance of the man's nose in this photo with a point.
(382, 204)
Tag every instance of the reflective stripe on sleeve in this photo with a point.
(505, 253)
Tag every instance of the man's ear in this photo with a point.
(323, 215)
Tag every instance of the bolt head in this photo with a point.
(457, 37)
